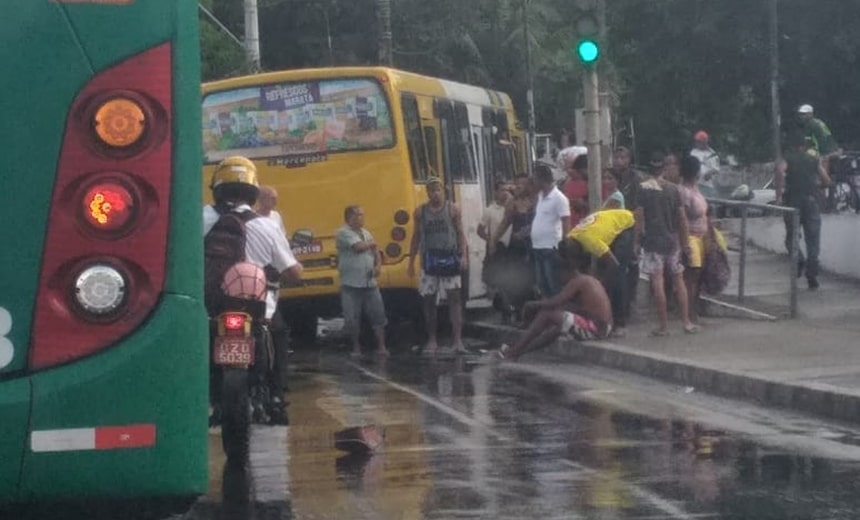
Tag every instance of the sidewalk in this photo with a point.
(811, 364)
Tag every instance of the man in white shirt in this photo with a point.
(550, 225)
(266, 203)
(235, 189)
(710, 161)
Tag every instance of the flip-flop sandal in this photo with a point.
(461, 351)
(692, 329)
(659, 333)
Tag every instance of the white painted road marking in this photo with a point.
(643, 494)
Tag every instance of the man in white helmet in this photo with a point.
(817, 132)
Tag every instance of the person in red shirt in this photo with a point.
(575, 188)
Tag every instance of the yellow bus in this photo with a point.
(329, 138)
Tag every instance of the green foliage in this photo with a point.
(672, 66)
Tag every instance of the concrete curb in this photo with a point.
(814, 398)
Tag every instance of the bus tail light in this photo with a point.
(398, 234)
(109, 206)
(100, 290)
(401, 217)
(119, 122)
(104, 260)
(393, 250)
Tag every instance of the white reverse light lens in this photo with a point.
(100, 289)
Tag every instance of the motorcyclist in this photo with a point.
(817, 132)
(235, 189)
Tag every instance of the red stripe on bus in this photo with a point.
(120, 437)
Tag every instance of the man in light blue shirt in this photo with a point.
(359, 262)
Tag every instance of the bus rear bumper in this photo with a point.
(127, 422)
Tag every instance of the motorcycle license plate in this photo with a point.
(233, 351)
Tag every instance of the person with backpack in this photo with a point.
(444, 257)
(233, 233)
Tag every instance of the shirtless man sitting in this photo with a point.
(581, 310)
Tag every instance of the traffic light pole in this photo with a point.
(592, 138)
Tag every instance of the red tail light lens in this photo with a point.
(105, 254)
(109, 206)
(234, 322)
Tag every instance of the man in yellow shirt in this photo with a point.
(607, 236)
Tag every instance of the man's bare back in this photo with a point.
(585, 295)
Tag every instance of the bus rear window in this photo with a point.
(296, 119)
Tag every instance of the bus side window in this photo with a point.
(414, 138)
(468, 157)
(432, 142)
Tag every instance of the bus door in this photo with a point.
(414, 137)
(482, 145)
(432, 130)
(472, 194)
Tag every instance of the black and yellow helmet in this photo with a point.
(235, 179)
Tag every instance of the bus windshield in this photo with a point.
(296, 121)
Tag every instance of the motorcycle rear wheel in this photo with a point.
(235, 413)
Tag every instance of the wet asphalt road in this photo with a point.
(539, 441)
(543, 440)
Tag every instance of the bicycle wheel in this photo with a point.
(843, 197)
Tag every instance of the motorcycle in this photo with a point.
(242, 354)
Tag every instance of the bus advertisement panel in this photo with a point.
(296, 123)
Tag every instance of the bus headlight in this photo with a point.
(100, 289)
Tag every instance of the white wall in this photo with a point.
(840, 240)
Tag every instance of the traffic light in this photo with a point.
(588, 51)
(587, 31)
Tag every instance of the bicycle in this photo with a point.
(844, 191)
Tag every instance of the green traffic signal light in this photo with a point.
(588, 51)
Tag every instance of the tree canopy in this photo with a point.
(670, 66)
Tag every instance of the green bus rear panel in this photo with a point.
(159, 374)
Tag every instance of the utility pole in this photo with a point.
(774, 79)
(592, 137)
(606, 134)
(530, 92)
(328, 37)
(252, 34)
(383, 15)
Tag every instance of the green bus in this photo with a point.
(103, 332)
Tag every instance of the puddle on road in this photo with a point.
(546, 451)
(533, 449)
